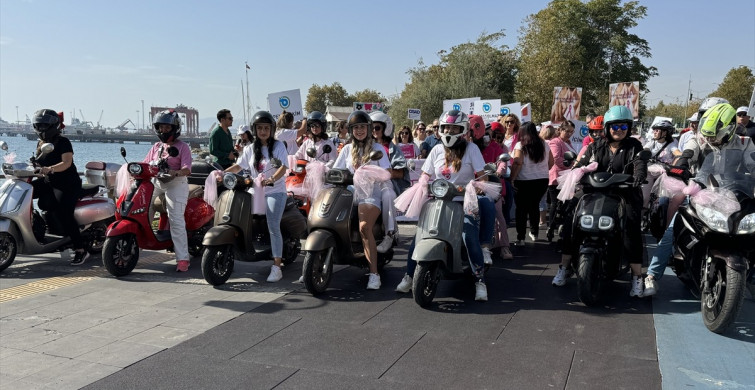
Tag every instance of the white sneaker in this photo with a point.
(481, 292)
(300, 280)
(561, 275)
(636, 286)
(275, 274)
(386, 244)
(506, 253)
(374, 282)
(486, 256)
(406, 285)
(651, 286)
(532, 237)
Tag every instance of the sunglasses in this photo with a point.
(403, 133)
(436, 127)
(621, 127)
(377, 128)
(509, 122)
(230, 118)
(428, 131)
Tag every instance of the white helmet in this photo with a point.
(708, 103)
(457, 118)
(379, 116)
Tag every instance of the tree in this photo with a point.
(576, 44)
(320, 97)
(367, 95)
(736, 87)
(676, 111)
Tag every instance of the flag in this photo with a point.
(247, 66)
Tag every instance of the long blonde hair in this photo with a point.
(360, 151)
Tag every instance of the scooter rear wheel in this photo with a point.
(291, 249)
(588, 283)
(120, 254)
(425, 283)
(318, 270)
(8, 250)
(217, 264)
(720, 305)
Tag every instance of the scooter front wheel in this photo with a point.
(318, 269)
(588, 283)
(425, 283)
(120, 254)
(217, 263)
(721, 301)
(8, 250)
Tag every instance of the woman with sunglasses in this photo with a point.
(558, 146)
(405, 142)
(615, 153)
(317, 138)
(511, 125)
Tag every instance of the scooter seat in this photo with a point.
(89, 190)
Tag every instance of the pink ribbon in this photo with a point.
(569, 180)
(211, 187)
(123, 181)
(365, 178)
(313, 182)
(259, 205)
(410, 201)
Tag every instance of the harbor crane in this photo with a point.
(122, 126)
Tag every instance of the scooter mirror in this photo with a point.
(4, 145)
(275, 163)
(312, 152)
(489, 168)
(644, 154)
(505, 157)
(123, 152)
(571, 156)
(411, 164)
(376, 155)
(173, 151)
(327, 149)
(45, 149)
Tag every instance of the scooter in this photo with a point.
(334, 232)
(439, 249)
(599, 224)
(240, 235)
(133, 230)
(295, 182)
(26, 230)
(713, 248)
(102, 174)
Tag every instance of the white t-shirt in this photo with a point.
(289, 137)
(666, 154)
(471, 162)
(246, 162)
(324, 157)
(344, 158)
(530, 169)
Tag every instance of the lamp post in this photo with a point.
(137, 120)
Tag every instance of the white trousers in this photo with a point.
(176, 196)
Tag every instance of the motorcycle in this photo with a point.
(439, 248)
(27, 230)
(599, 224)
(334, 232)
(132, 228)
(713, 248)
(240, 235)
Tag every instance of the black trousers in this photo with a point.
(527, 198)
(61, 204)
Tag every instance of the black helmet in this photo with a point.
(357, 118)
(47, 123)
(167, 117)
(318, 117)
(262, 117)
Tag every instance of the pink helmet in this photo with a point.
(476, 126)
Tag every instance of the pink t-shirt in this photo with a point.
(182, 161)
(409, 150)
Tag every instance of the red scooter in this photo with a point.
(132, 229)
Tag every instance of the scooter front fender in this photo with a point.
(733, 260)
(124, 226)
(430, 249)
(319, 240)
(220, 235)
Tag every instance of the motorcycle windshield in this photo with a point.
(12, 195)
(728, 169)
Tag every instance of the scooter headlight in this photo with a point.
(747, 224)
(230, 180)
(605, 223)
(440, 188)
(135, 169)
(586, 221)
(715, 220)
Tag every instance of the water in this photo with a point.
(83, 152)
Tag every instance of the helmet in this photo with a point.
(318, 117)
(47, 123)
(167, 117)
(618, 114)
(708, 103)
(694, 118)
(476, 126)
(496, 127)
(379, 116)
(596, 123)
(262, 117)
(243, 129)
(453, 117)
(357, 118)
(664, 125)
(718, 124)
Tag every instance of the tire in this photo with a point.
(383, 259)
(217, 263)
(97, 236)
(195, 240)
(120, 254)
(318, 270)
(8, 249)
(720, 306)
(291, 250)
(588, 280)
(425, 283)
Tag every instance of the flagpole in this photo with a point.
(243, 101)
(248, 102)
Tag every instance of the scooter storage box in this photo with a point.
(199, 172)
(101, 173)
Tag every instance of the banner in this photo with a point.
(526, 113)
(512, 108)
(566, 103)
(580, 132)
(487, 109)
(625, 94)
(464, 105)
(751, 107)
(368, 106)
(414, 114)
(286, 100)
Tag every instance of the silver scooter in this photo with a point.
(26, 230)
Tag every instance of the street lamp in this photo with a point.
(137, 119)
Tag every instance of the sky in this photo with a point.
(106, 57)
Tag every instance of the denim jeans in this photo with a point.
(477, 231)
(662, 252)
(276, 204)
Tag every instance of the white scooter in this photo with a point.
(26, 230)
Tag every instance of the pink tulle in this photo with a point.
(719, 199)
(258, 199)
(568, 181)
(123, 180)
(491, 190)
(8, 158)
(410, 201)
(488, 188)
(211, 187)
(691, 189)
(313, 182)
(671, 186)
(365, 178)
(656, 169)
(500, 234)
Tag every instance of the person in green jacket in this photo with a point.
(221, 140)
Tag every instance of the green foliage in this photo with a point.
(367, 95)
(320, 97)
(736, 87)
(576, 44)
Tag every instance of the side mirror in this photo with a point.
(173, 151)
(569, 158)
(312, 152)
(411, 164)
(123, 152)
(4, 145)
(490, 169)
(504, 157)
(275, 163)
(45, 149)
(376, 155)
(644, 154)
(327, 149)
